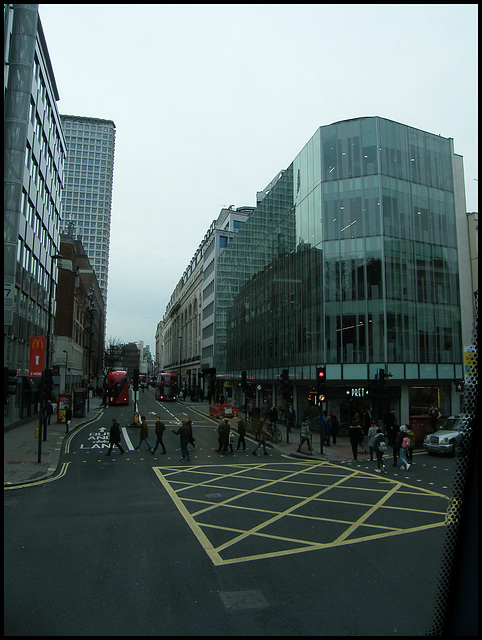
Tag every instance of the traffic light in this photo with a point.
(47, 383)
(9, 383)
(244, 380)
(135, 381)
(320, 378)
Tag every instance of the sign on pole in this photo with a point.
(37, 356)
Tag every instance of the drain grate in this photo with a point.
(234, 600)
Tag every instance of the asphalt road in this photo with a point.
(224, 545)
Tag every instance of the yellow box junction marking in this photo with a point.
(327, 491)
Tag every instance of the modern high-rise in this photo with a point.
(356, 259)
(87, 196)
(34, 154)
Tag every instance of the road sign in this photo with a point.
(37, 356)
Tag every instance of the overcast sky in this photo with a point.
(211, 101)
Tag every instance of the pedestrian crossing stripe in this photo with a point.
(282, 509)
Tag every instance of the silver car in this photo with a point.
(446, 439)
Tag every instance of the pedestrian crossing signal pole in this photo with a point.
(320, 391)
(135, 385)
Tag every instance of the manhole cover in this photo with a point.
(243, 600)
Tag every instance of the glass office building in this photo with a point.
(34, 155)
(354, 267)
(87, 197)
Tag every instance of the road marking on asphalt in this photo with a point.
(288, 508)
(127, 440)
(36, 483)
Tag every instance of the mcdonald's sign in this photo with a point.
(37, 356)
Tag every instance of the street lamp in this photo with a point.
(180, 370)
(90, 309)
(66, 367)
(45, 399)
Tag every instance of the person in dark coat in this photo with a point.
(184, 433)
(379, 438)
(390, 422)
(115, 437)
(273, 415)
(291, 418)
(191, 437)
(334, 426)
(50, 410)
(356, 434)
(68, 419)
(143, 434)
(160, 428)
(223, 435)
(241, 434)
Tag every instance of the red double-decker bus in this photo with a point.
(117, 387)
(166, 386)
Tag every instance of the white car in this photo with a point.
(446, 439)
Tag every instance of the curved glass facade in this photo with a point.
(350, 259)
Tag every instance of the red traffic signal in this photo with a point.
(321, 374)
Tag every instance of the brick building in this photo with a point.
(78, 353)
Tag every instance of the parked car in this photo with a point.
(446, 439)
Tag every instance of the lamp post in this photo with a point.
(180, 370)
(53, 257)
(90, 310)
(46, 390)
(66, 367)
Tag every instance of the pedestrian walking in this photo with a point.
(261, 437)
(434, 414)
(356, 435)
(241, 434)
(305, 436)
(160, 428)
(379, 446)
(68, 419)
(223, 435)
(50, 411)
(326, 421)
(249, 409)
(372, 432)
(230, 437)
(184, 433)
(362, 438)
(273, 415)
(143, 434)
(404, 443)
(191, 437)
(368, 419)
(411, 435)
(390, 422)
(115, 437)
(291, 418)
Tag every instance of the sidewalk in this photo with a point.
(341, 451)
(20, 448)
